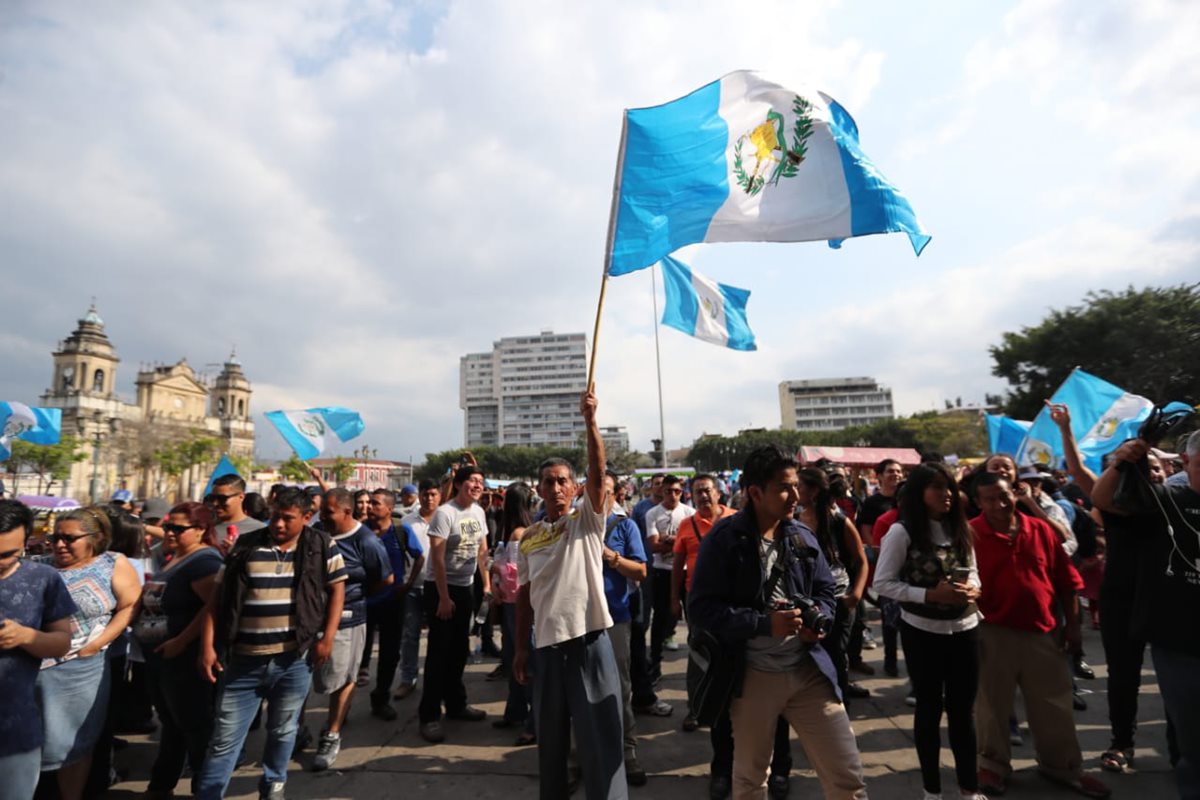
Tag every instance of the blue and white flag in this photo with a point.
(744, 159)
(703, 308)
(34, 425)
(1005, 434)
(1102, 416)
(310, 431)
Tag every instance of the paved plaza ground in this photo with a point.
(389, 759)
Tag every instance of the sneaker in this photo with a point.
(689, 724)
(670, 644)
(1082, 670)
(778, 787)
(634, 774)
(990, 782)
(383, 711)
(272, 791)
(404, 691)
(972, 796)
(468, 714)
(364, 678)
(327, 751)
(910, 700)
(659, 708)
(869, 642)
(432, 732)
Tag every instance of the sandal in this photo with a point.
(526, 739)
(1114, 760)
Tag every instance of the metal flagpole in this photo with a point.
(608, 248)
(662, 433)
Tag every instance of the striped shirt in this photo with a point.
(267, 625)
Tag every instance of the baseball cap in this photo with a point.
(408, 488)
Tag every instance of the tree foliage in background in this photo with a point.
(176, 458)
(507, 462)
(1145, 341)
(341, 469)
(295, 470)
(959, 434)
(50, 462)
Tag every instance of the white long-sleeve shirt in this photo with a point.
(888, 583)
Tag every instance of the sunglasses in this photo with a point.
(221, 499)
(177, 529)
(11, 553)
(67, 539)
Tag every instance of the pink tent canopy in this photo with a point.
(860, 456)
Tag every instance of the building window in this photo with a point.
(98, 382)
(241, 406)
(220, 406)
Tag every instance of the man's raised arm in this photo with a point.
(595, 451)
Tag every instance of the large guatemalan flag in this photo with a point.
(744, 159)
(310, 431)
(1102, 417)
(703, 308)
(34, 425)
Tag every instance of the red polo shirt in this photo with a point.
(1020, 577)
(687, 540)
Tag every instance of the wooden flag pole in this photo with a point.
(608, 249)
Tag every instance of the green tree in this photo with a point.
(341, 469)
(1144, 341)
(50, 462)
(507, 462)
(177, 458)
(295, 469)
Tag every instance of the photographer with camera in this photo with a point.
(763, 588)
(1164, 522)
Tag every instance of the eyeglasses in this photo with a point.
(11, 553)
(67, 539)
(222, 499)
(177, 529)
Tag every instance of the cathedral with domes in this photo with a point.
(174, 404)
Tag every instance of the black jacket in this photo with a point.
(308, 584)
(726, 596)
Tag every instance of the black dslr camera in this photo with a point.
(810, 614)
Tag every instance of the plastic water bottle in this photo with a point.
(482, 614)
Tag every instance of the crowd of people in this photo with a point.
(205, 620)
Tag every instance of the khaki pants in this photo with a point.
(1010, 658)
(805, 698)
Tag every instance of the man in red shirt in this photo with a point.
(1024, 573)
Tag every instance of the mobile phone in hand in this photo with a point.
(960, 574)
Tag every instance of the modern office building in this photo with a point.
(615, 438)
(830, 404)
(525, 391)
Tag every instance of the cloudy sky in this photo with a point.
(354, 194)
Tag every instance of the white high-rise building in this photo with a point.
(525, 392)
(830, 404)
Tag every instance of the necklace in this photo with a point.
(278, 560)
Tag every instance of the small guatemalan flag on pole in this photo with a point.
(703, 308)
(744, 159)
(310, 431)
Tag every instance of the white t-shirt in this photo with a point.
(420, 529)
(465, 531)
(561, 562)
(662, 522)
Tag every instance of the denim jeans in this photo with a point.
(283, 681)
(21, 772)
(1179, 681)
(578, 691)
(410, 641)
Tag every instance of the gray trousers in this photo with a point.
(619, 634)
(577, 690)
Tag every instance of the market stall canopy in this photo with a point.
(42, 502)
(861, 456)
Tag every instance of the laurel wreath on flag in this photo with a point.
(792, 157)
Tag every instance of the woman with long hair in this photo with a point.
(927, 564)
(843, 549)
(514, 519)
(168, 628)
(74, 689)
